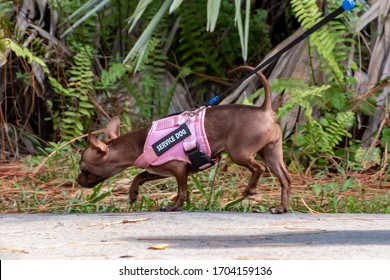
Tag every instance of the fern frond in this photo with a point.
(315, 137)
(329, 41)
(300, 94)
(6, 43)
(148, 94)
(139, 48)
(76, 109)
(196, 49)
(115, 72)
(5, 9)
(321, 137)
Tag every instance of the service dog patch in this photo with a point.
(171, 139)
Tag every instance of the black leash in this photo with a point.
(346, 6)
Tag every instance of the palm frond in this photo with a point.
(142, 42)
(175, 5)
(139, 10)
(84, 8)
(243, 31)
(212, 14)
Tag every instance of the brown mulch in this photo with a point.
(18, 184)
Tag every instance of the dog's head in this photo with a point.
(98, 161)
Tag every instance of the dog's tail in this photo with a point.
(267, 104)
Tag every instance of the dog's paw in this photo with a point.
(133, 201)
(249, 192)
(133, 196)
(169, 208)
(278, 210)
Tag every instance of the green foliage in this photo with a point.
(197, 51)
(83, 28)
(319, 138)
(212, 9)
(299, 94)
(5, 12)
(53, 190)
(365, 158)
(321, 135)
(87, 7)
(110, 77)
(385, 139)
(330, 41)
(148, 91)
(228, 39)
(152, 99)
(331, 195)
(243, 33)
(139, 48)
(91, 203)
(115, 79)
(337, 99)
(57, 149)
(6, 43)
(212, 14)
(166, 100)
(76, 110)
(258, 49)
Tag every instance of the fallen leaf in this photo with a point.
(13, 250)
(122, 222)
(173, 197)
(126, 257)
(159, 246)
(135, 220)
(313, 211)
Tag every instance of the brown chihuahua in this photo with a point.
(239, 130)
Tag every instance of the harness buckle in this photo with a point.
(199, 159)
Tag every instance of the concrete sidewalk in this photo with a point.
(194, 235)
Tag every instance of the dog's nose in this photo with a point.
(88, 180)
(82, 180)
(79, 180)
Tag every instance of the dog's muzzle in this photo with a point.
(89, 180)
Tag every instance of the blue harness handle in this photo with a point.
(213, 100)
(348, 5)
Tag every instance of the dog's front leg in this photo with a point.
(138, 181)
(180, 173)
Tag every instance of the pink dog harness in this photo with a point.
(180, 137)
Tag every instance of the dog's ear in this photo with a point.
(112, 130)
(98, 145)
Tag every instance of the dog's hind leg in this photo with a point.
(272, 155)
(138, 181)
(255, 167)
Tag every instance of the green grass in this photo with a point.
(53, 190)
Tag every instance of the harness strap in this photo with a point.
(196, 156)
(199, 159)
(146, 158)
(149, 156)
(170, 122)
